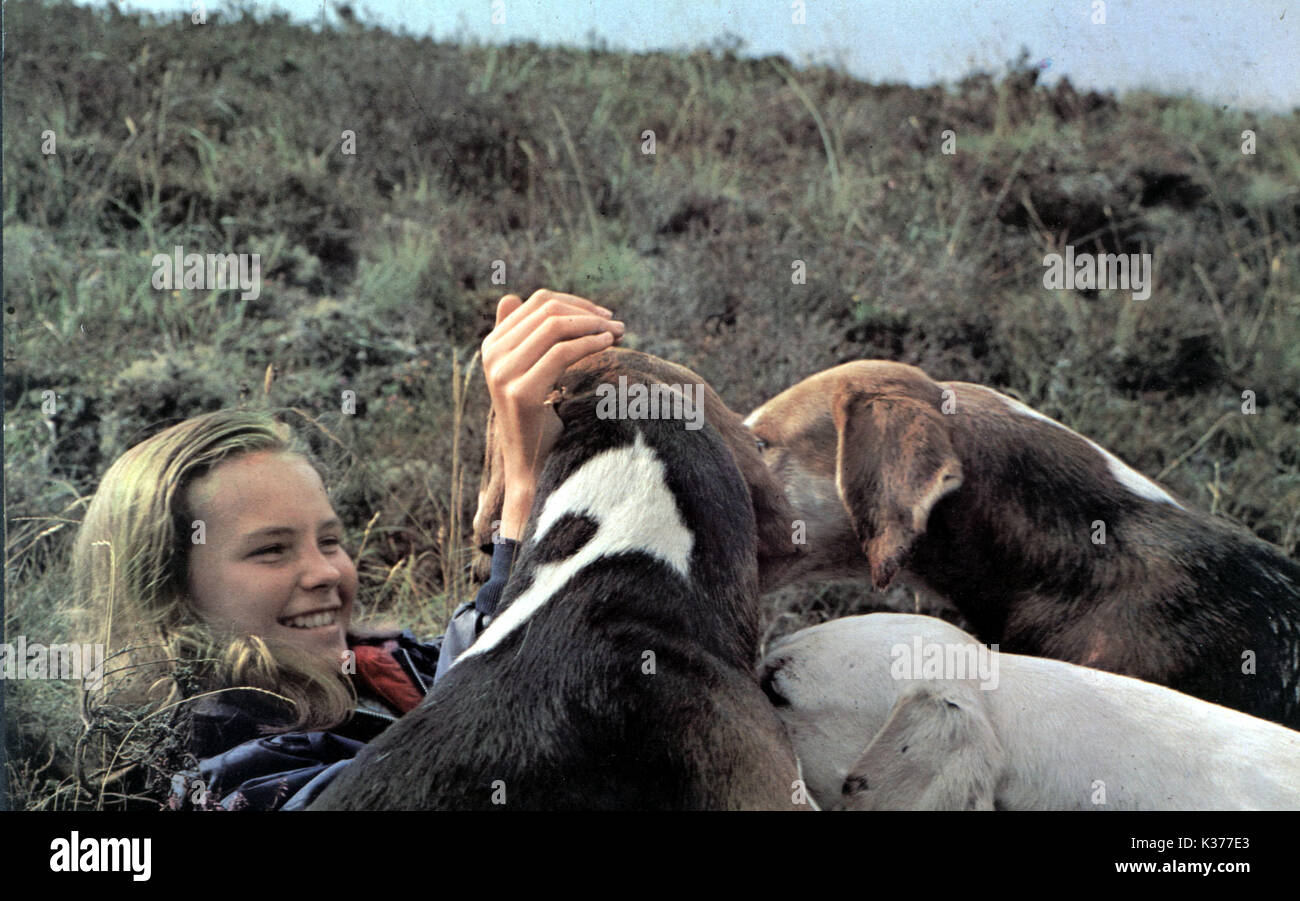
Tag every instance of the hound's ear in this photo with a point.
(892, 465)
(937, 751)
(492, 487)
(773, 515)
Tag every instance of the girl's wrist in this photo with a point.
(515, 507)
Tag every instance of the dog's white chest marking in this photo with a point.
(1130, 478)
(625, 491)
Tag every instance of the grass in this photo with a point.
(378, 268)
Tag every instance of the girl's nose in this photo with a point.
(321, 570)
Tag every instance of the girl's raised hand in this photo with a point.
(533, 343)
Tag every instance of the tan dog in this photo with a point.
(772, 512)
(1048, 544)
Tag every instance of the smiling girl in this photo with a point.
(213, 551)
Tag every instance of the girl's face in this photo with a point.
(273, 563)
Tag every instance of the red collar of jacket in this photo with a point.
(379, 671)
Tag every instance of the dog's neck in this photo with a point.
(647, 490)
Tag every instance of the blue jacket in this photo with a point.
(240, 767)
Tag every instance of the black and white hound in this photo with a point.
(619, 673)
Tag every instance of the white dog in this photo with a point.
(895, 711)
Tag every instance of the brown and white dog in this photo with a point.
(1048, 544)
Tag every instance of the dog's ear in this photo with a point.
(893, 463)
(492, 486)
(773, 516)
(936, 751)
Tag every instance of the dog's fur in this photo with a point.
(618, 673)
(1049, 736)
(993, 506)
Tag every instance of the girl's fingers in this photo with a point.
(536, 385)
(525, 321)
(511, 332)
(575, 300)
(550, 333)
(507, 305)
(565, 353)
(558, 305)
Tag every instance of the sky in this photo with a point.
(1240, 53)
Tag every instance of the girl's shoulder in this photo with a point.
(240, 765)
(231, 717)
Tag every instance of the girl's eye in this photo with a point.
(331, 542)
(269, 549)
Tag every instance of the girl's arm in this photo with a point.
(472, 617)
(533, 342)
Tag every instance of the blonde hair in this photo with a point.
(130, 566)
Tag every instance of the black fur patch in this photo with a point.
(568, 535)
